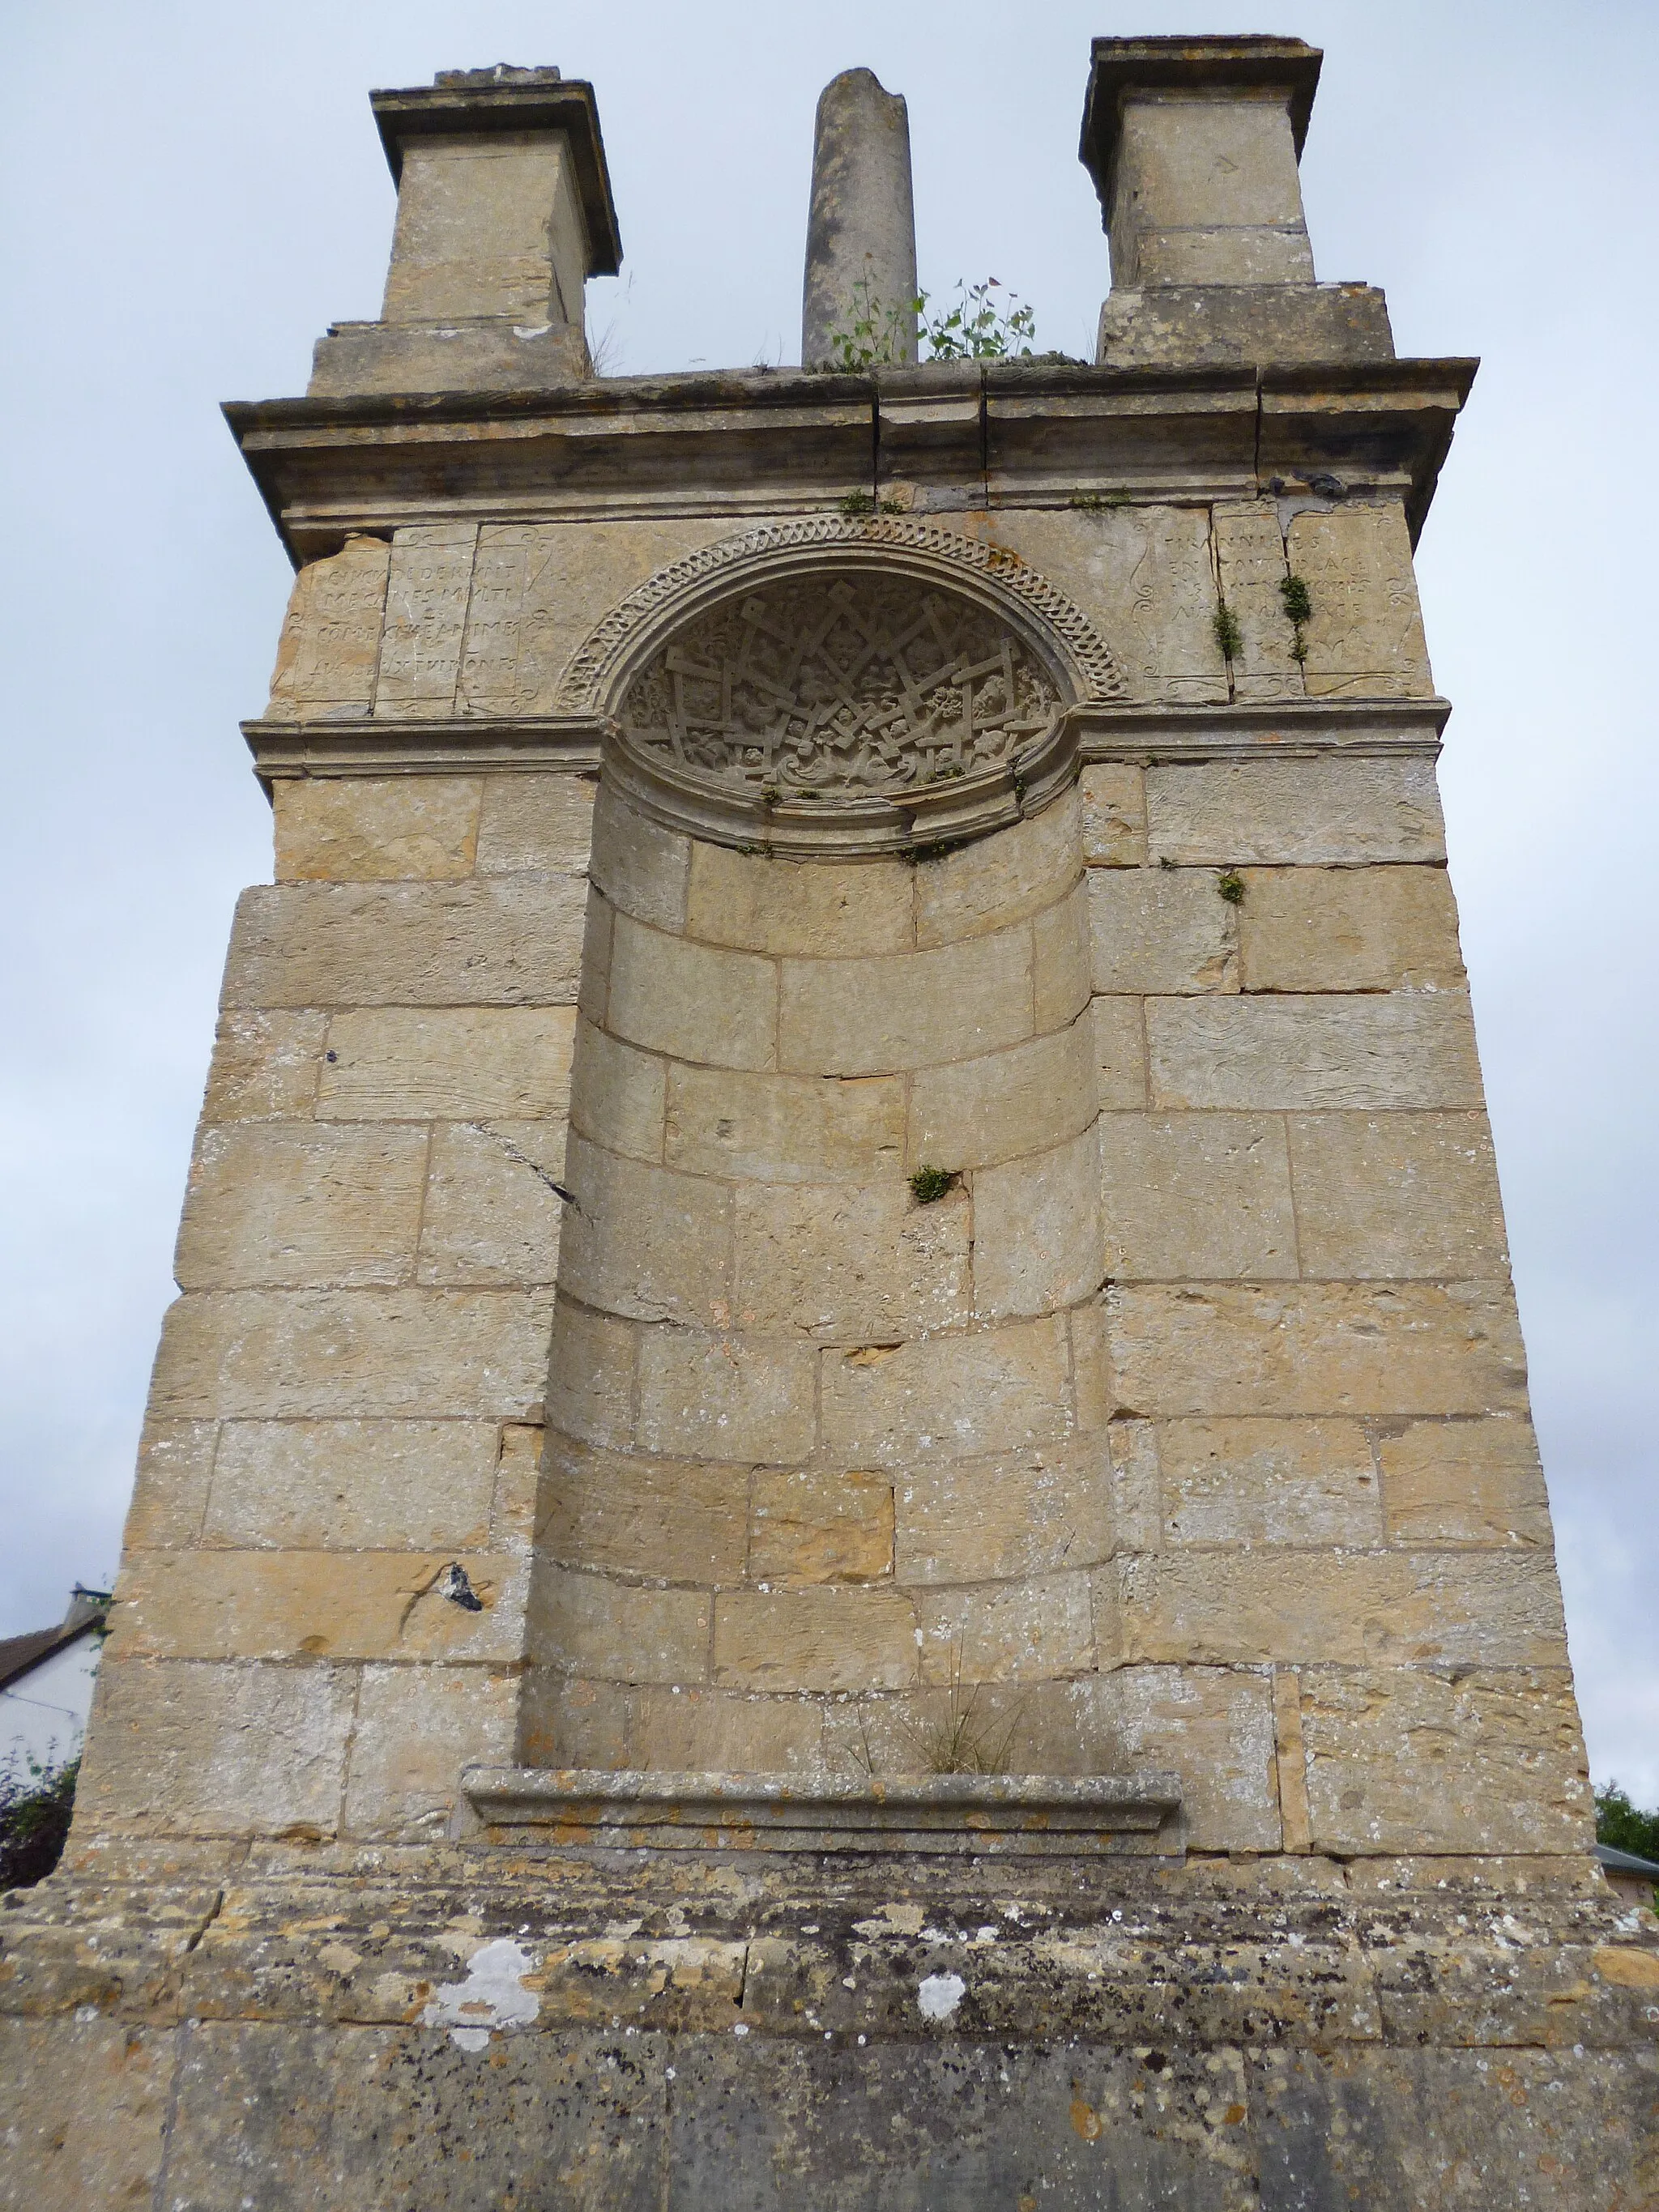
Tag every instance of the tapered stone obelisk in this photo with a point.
(863, 223)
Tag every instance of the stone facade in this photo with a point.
(680, 848)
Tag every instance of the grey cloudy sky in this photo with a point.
(192, 191)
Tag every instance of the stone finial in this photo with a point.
(504, 210)
(862, 228)
(1194, 145)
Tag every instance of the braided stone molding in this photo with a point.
(592, 682)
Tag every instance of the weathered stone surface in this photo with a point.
(861, 226)
(1397, 1195)
(1021, 1513)
(975, 1112)
(998, 881)
(87, 2111)
(995, 1390)
(591, 1376)
(1120, 1046)
(538, 589)
(681, 1520)
(1037, 1241)
(1365, 635)
(352, 1485)
(1474, 1759)
(1036, 1629)
(425, 615)
(644, 1241)
(693, 1001)
(1428, 2130)
(264, 1067)
(642, 869)
(1345, 1607)
(1060, 956)
(1114, 816)
(189, 1749)
(816, 1639)
(1318, 1348)
(1405, 1048)
(1206, 192)
(811, 2118)
(1349, 929)
(908, 1010)
(811, 1529)
(589, 1624)
(618, 1096)
(512, 941)
(376, 828)
(417, 1727)
(820, 909)
(1267, 1481)
(1463, 1482)
(784, 1128)
(725, 1397)
(448, 1063)
(337, 2114)
(170, 1495)
(1250, 551)
(536, 824)
(491, 1215)
(1197, 1197)
(1144, 573)
(845, 1263)
(217, 1604)
(331, 642)
(280, 1202)
(1164, 930)
(244, 1355)
(1302, 813)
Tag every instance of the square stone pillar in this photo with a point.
(504, 210)
(1194, 144)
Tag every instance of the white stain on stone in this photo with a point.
(939, 1994)
(492, 1997)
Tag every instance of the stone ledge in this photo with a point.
(1144, 731)
(975, 1815)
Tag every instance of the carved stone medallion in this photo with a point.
(821, 683)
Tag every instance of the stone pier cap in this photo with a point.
(1193, 145)
(488, 102)
(504, 211)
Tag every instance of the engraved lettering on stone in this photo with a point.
(862, 682)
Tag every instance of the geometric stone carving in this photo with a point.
(868, 680)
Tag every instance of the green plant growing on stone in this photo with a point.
(875, 335)
(962, 1740)
(34, 1821)
(1299, 606)
(1230, 884)
(978, 328)
(858, 503)
(1098, 503)
(929, 1184)
(1228, 635)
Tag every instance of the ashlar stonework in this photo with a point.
(839, 1510)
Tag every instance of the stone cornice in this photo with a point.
(917, 820)
(755, 443)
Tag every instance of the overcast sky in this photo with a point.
(193, 191)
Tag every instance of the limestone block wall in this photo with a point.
(347, 1397)
(1317, 1371)
(1189, 1429)
(829, 1471)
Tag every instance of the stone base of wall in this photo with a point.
(219, 2028)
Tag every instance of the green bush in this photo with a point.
(1624, 1827)
(35, 1822)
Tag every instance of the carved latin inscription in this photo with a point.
(857, 682)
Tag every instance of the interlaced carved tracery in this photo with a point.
(821, 683)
